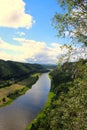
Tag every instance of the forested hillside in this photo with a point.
(11, 72)
(67, 109)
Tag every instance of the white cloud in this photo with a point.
(21, 33)
(30, 51)
(12, 14)
(35, 51)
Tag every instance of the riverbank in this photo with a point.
(41, 116)
(25, 108)
(8, 94)
(67, 109)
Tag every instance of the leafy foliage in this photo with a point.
(74, 20)
(68, 108)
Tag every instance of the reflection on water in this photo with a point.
(18, 115)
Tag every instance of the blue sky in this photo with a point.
(26, 31)
(42, 30)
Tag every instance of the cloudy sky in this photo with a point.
(26, 33)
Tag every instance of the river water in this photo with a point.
(24, 109)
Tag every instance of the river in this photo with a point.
(25, 108)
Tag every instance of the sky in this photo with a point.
(26, 31)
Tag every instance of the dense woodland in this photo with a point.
(12, 72)
(68, 107)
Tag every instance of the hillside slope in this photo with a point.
(11, 72)
(68, 107)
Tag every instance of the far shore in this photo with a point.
(9, 94)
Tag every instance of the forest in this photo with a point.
(12, 72)
(67, 109)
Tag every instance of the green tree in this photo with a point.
(74, 20)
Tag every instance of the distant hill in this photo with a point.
(49, 66)
(11, 72)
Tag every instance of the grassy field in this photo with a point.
(8, 94)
